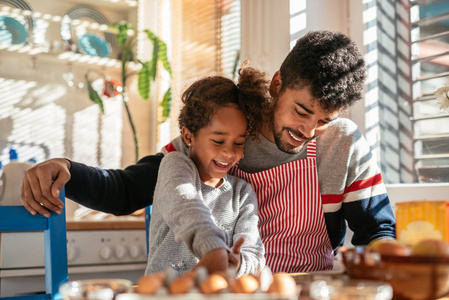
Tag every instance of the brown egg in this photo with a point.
(149, 284)
(283, 285)
(213, 284)
(431, 247)
(394, 249)
(388, 247)
(247, 284)
(182, 284)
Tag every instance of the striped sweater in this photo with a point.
(351, 185)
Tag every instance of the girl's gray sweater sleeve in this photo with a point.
(252, 252)
(181, 205)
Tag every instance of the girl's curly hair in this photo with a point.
(330, 65)
(205, 96)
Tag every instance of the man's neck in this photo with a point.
(267, 132)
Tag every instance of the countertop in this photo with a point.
(110, 224)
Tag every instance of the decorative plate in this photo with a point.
(94, 45)
(12, 31)
(70, 36)
(25, 21)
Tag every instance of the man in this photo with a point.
(311, 170)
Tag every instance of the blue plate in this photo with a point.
(12, 31)
(93, 45)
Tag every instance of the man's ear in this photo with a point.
(275, 84)
(186, 135)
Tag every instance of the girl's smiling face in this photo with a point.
(218, 146)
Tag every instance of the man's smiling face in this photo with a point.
(297, 119)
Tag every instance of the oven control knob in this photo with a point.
(120, 251)
(106, 252)
(72, 253)
(134, 251)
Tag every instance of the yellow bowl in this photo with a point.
(412, 277)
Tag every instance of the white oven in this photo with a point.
(118, 253)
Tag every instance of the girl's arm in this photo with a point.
(252, 258)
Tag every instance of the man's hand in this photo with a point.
(234, 256)
(42, 184)
(214, 261)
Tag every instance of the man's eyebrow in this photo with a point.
(305, 108)
(311, 112)
(332, 119)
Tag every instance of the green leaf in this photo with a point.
(162, 56)
(154, 61)
(122, 34)
(93, 95)
(159, 51)
(143, 80)
(166, 104)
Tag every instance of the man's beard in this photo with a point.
(285, 147)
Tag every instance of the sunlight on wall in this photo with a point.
(85, 129)
(388, 91)
(111, 133)
(96, 138)
(298, 20)
(35, 131)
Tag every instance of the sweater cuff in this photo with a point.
(242, 268)
(209, 244)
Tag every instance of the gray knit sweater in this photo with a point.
(190, 218)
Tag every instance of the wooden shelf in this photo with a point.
(48, 54)
(110, 4)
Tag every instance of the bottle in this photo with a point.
(12, 176)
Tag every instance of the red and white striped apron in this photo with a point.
(291, 218)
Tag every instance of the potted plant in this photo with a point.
(126, 43)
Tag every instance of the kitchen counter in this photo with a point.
(137, 223)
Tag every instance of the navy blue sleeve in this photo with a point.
(370, 219)
(119, 192)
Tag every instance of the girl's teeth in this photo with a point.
(222, 164)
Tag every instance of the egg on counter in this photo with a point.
(388, 247)
(150, 284)
(213, 284)
(283, 285)
(246, 284)
(182, 284)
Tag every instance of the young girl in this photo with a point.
(197, 207)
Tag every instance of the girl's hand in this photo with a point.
(214, 261)
(234, 256)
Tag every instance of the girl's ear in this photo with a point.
(275, 84)
(187, 136)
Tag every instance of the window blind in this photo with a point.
(209, 38)
(430, 71)
(206, 42)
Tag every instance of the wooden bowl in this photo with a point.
(412, 277)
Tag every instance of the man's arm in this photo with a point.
(351, 186)
(119, 192)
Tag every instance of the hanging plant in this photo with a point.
(147, 74)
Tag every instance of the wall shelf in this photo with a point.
(41, 44)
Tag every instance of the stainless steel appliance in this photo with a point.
(116, 253)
